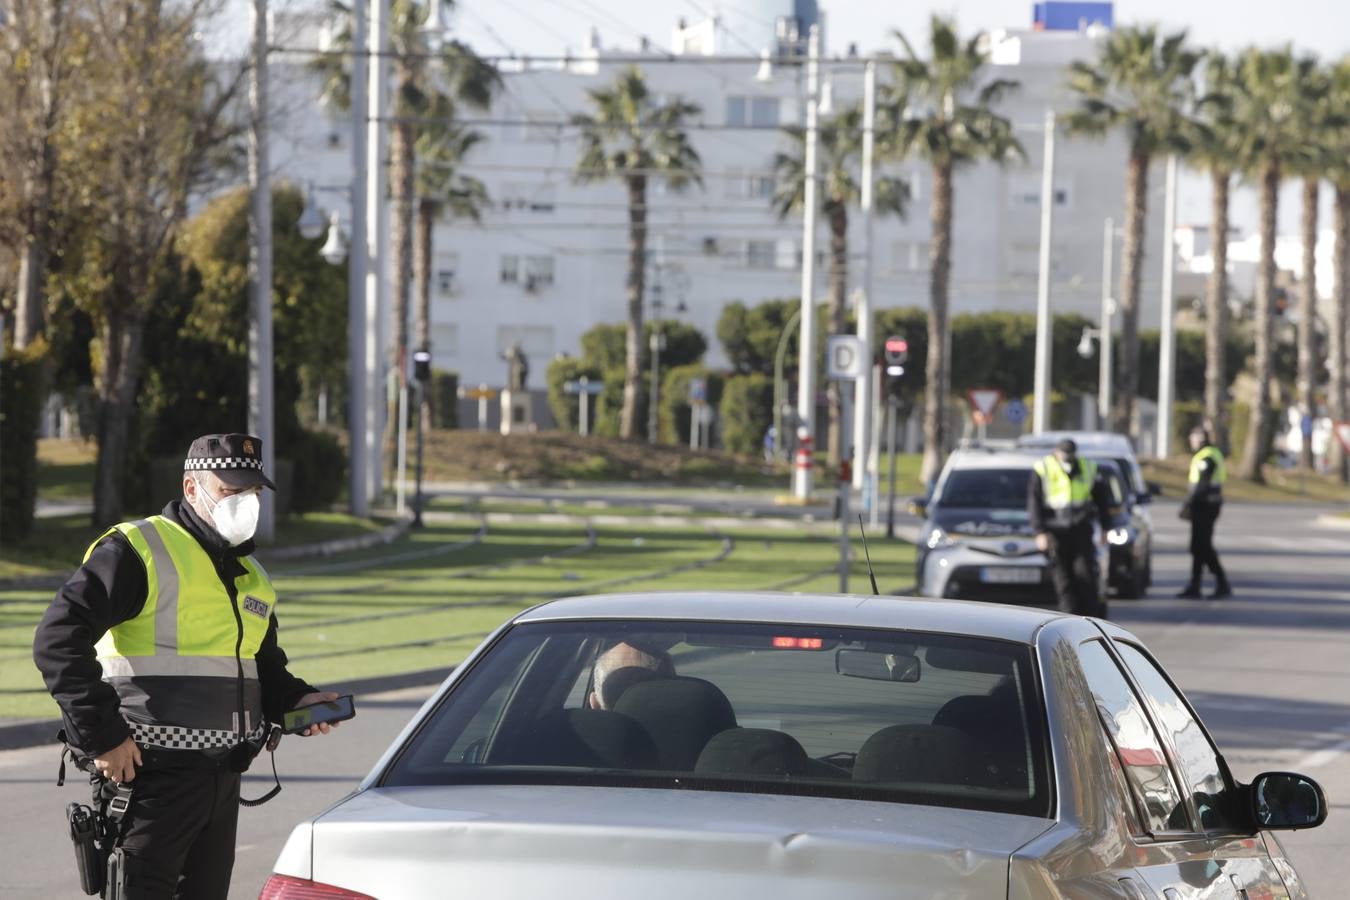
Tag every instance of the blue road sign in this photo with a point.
(583, 386)
(1015, 411)
(1307, 426)
(698, 390)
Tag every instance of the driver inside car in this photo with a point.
(622, 666)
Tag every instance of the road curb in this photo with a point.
(36, 732)
(386, 535)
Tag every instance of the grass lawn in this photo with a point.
(424, 601)
(1282, 485)
(65, 469)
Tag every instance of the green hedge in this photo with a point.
(319, 470)
(746, 412)
(23, 390)
(675, 406)
(609, 405)
(566, 407)
(444, 399)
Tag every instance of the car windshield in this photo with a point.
(900, 716)
(985, 489)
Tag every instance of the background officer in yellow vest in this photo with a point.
(1208, 473)
(162, 652)
(1064, 495)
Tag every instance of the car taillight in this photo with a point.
(284, 887)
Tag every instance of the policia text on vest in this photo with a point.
(162, 652)
(1064, 496)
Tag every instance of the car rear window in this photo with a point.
(937, 719)
(985, 489)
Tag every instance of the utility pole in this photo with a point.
(377, 240)
(862, 398)
(658, 338)
(806, 376)
(1041, 416)
(1104, 330)
(260, 365)
(1167, 341)
(358, 379)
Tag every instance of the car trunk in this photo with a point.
(526, 842)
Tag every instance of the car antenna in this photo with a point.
(870, 573)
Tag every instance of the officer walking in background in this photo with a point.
(1063, 497)
(162, 652)
(1208, 473)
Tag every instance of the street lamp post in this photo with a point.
(1041, 413)
(806, 378)
(260, 355)
(1167, 338)
(358, 413)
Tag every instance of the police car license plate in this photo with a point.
(1010, 575)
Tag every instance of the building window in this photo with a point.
(736, 113)
(510, 272)
(761, 187)
(764, 112)
(447, 265)
(1024, 192)
(538, 272)
(761, 254)
(444, 341)
(736, 184)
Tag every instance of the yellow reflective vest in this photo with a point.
(174, 665)
(1066, 497)
(1210, 453)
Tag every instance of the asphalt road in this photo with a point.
(1267, 669)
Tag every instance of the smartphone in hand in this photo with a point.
(298, 719)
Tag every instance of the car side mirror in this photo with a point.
(917, 506)
(1285, 801)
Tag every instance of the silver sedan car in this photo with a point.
(677, 746)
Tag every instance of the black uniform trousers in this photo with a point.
(1203, 554)
(180, 830)
(1073, 570)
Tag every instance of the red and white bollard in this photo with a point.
(803, 466)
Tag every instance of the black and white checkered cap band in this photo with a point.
(171, 737)
(229, 462)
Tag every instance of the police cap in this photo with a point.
(236, 459)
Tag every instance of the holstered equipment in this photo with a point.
(96, 828)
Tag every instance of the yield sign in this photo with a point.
(1342, 430)
(984, 401)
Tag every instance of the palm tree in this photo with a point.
(839, 148)
(1267, 111)
(442, 189)
(427, 70)
(631, 138)
(1215, 147)
(1141, 83)
(1338, 172)
(939, 111)
(1310, 160)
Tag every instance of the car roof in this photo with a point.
(1087, 441)
(1011, 623)
(994, 458)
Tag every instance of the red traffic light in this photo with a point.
(896, 350)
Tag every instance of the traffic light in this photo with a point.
(895, 353)
(422, 366)
(1281, 301)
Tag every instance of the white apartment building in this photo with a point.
(549, 260)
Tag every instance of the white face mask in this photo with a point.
(235, 517)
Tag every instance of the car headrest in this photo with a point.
(680, 714)
(590, 738)
(934, 754)
(752, 751)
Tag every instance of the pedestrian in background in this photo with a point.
(1064, 497)
(162, 652)
(1208, 473)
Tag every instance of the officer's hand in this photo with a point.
(1043, 542)
(119, 763)
(317, 697)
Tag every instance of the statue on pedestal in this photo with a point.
(517, 367)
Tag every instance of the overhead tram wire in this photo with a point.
(658, 57)
(740, 40)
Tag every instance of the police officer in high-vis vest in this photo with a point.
(1064, 496)
(162, 652)
(1208, 473)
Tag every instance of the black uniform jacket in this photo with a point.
(1043, 518)
(109, 589)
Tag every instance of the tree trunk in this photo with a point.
(1258, 439)
(1216, 311)
(1340, 321)
(1131, 272)
(637, 264)
(121, 335)
(1307, 314)
(402, 162)
(426, 220)
(940, 264)
(837, 308)
(28, 304)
